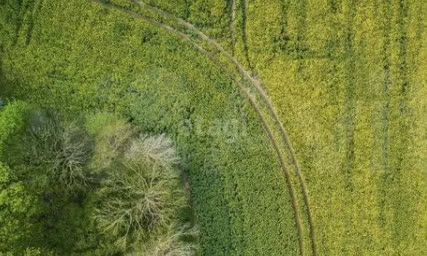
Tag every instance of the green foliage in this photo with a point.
(48, 158)
(55, 199)
(12, 121)
(37, 252)
(111, 135)
(18, 208)
(56, 147)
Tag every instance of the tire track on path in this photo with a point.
(246, 76)
(260, 88)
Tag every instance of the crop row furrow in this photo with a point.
(350, 107)
(36, 9)
(245, 7)
(386, 108)
(233, 25)
(26, 12)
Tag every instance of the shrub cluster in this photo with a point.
(91, 180)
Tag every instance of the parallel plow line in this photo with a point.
(386, 51)
(36, 9)
(233, 26)
(350, 103)
(255, 91)
(245, 7)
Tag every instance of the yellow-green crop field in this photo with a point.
(301, 124)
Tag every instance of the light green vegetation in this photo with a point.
(351, 91)
(346, 78)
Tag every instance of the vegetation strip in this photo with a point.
(350, 92)
(301, 31)
(387, 103)
(282, 164)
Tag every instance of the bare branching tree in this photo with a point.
(158, 149)
(143, 192)
(72, 155)
(64, 146)
(177, 241)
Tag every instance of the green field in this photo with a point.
(301, 124)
